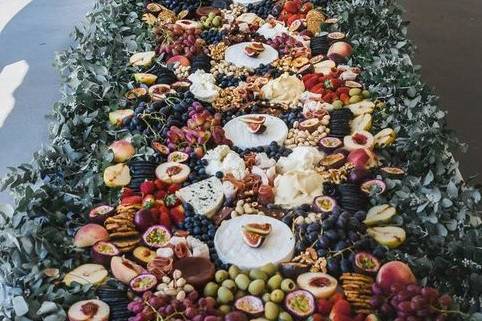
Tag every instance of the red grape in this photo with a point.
(445, 300)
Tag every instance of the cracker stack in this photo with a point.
(121, 228)
(358, 291)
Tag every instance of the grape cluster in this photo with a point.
(185, 42)
(265, 8)
(293, 115)
(268, 70)
(200, 227)
(225, 81)
(178, 6)
(411, 302)
(273, 150)
(284, 43)
(152, 307)
(212, 36)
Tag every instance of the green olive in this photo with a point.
(225, 309)
(366, 94)
(275, 282)
(288, 285)
(269, 269)
(229, 284)
(266, 297)
(256, 287)
(220, 276)
(337, 104)
(256, 274)
(211, 289)
(354, 92)
(225, 295)
(271, 311)
(277, 296)
(285, 316)
(355, 99)
(242, 281)
(233, 271)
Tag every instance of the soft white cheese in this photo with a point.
(302, 158)
(223, 159)
(203, 85)
(297, 187)
(206, 197)
(269, 31)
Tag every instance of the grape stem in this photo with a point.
(450, 311)
(159, 317)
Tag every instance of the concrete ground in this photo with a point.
(446, 32)
(448, 36)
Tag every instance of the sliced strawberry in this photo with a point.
(345, 98)
(307, 6)
(311, 82)
(160, 194)
(126, 192)
(291, 6)
(131, 200)
(160, 185)
(318, 88)
(173, 188)
(147, 187)
(309, 76)
(341, 307)
(148, 201)
(177, 215)
(164, 218)
(324, 306)
(342, 90)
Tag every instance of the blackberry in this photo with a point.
(212, 36)
(265, 8)
(225, 81)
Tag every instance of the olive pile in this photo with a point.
(262, 291)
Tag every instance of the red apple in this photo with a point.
(123, 150)
(89, 310)
(394, 272)
(90, 234)
(125, 270)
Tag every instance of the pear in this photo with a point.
(86, 274)
(385, 137)
(379, 214)
(148, 79)
(117, 175)
(117, 116)
(142, 59)
(390, 236)
(362, 107)
(361, 122)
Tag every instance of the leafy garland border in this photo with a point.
(437, 206)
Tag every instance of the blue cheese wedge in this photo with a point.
(206, 197)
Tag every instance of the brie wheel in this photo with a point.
(235, 55)
(238, 133)
(278, 246)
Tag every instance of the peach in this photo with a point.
(341, 48)
(117, 117)
(123, 150)
(183, 61)
(362, 157)
(90, 234)
(394, 272)
(125, 270)
(89, 310)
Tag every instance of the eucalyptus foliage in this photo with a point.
(438, 209)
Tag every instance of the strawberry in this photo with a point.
(311, 82)
(171, 200)
(318, 88)
(164, 218)
(126, 192)
(131, 200)
(324, 306)
(293, 18)
(148, 201)
(316, 317)
(173, 188)
(340, 308)
(160, 194)
(307, 6)
(147, 187)
(342, 90)
(309, 76)
(345, 98)
(337, 297)
(341, 317)
(177, 215)
(291, 7)
(160, 185)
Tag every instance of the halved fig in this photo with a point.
(375, 185)
(358, 139)
(329, 144)
(336, 35)
(253, 240)
(324, 204)
(183, 61)
(258, 46)
(172, 172)
(366, 263)
(188, 24)
(293, 269)
(159, 91)
(89, 310)
(334, 160)
(258, 228)
(393, 171)
(102, 252)
(310, 125)
(321, 285)
(177, 157)
(100, 213)
(255, 128)
(181, 86)
(136, 93)
(250, 304)
(295, 25)
(300, 304)
(250, 52)
(157, 236)
(255, 119)
(143, 282)
(162, 149)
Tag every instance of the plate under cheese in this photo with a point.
(277, 247)
(235, 55)
(238, 133)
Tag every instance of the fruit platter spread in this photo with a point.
(257, 189)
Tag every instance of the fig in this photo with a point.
(300, 304)
(375, 185)
(256, 128)
(310, 125)
(250, 52)
(321, 285)
(366, 263)
(143, 282)
(324, 204)
(157, 236)
(100, 213)
(258, 228)
(135, 93)
(144, 218)
(258, 46)
(177, 157)
(258, 119)
(102, 252)
(393, 171)
(250, 304)
(236, 316)
(292, 269)
(159, 91)
(335, 160)
(252, 239)
(329, 144)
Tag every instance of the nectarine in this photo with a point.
(90, 234)
(394, 272)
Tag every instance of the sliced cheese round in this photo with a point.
(237, 132)
(277, 247)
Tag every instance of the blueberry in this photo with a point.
(346, 265)
(196, 230)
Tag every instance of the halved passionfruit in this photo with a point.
(329, 144)
(143, 282)
(366, 263)
(310, 125)
(100, 213)
(178, 157)
(334, 160)
(157, 236)
(324, 204)
(374, 186)
(250, 304)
